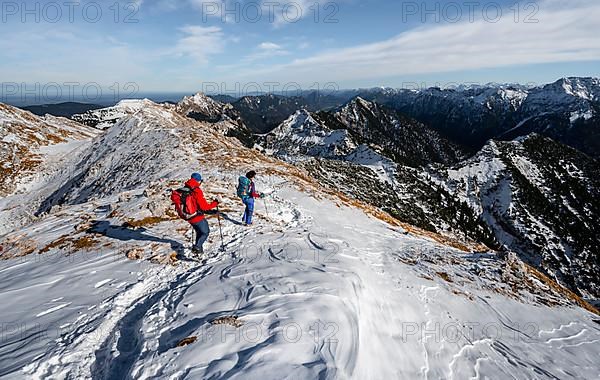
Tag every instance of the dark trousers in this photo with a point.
(202, 231)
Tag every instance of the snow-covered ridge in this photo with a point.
(104, 118)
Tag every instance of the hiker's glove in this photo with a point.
(218, 199)
(262, 195)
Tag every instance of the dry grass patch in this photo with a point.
(66, 241)
(17, 246)
(59, 243)
(444, 276)
(84, 242)
(170, 259)
(556, 287)
(187, 341)
(146, 222)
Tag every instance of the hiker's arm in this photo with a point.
(203, 204)
(254, 194)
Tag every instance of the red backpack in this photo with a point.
(185, 204)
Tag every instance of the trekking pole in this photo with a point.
(220, 229)
(266, 208)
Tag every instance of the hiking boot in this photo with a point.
(197, 251)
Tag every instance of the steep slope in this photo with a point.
(203, 108)
(522, 196)
(321, 287)
(469, 117)
(359, 122)
(541, 200)
(147, 145)
(567, 111)
(22, 134)
(34, 151)
(404, 140)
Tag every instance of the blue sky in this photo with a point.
(192, 45)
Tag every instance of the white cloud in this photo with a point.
(269, 46)
(563, 34)
(200, 42)
(265, 50)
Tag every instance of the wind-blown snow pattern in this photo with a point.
(102, 285)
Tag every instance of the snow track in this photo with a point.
(322, 299)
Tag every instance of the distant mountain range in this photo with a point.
(566, 110)
(66, 109)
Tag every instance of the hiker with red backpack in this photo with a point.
(190, 205)
(247, 192)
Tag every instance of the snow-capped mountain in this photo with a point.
(33, 150)
(404, 140)
(104, 118)
(322, 285)
(567, 111)
(131, 152)
(469, 117)
(203, 108)
(263, 113)
(304, 134)
(359, 122)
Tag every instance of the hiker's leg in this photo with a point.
(245, 210)
(202, 232)
(249, 202)
(249, 210)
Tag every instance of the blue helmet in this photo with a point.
(197, 177)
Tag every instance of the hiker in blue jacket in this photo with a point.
(247, 192)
